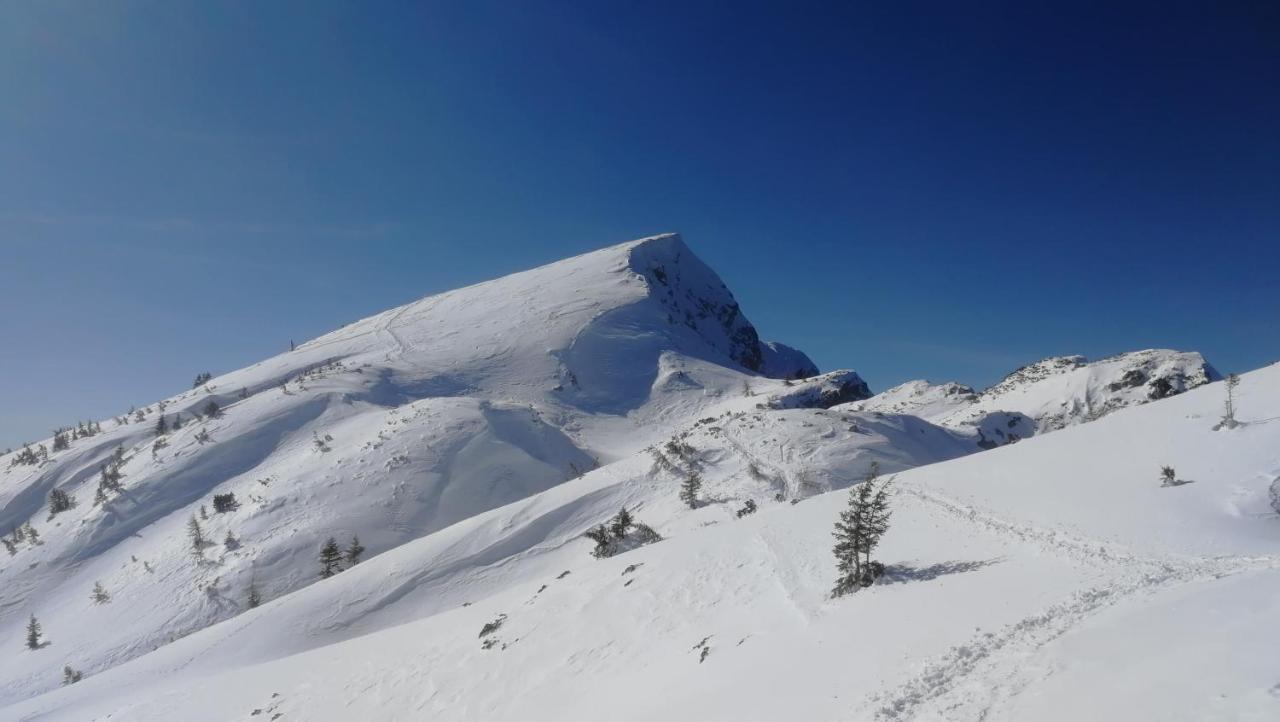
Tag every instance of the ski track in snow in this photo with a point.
(978, 679)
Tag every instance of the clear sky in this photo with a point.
(943, 190)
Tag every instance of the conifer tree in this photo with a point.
(70, 676)
(1167, 476)
(162, 428)
(858, 532)
(196, 535)
(689, 489)
(1229, 410)
(59, 501)
(99, 594)
(33, 633)
(330, 558)
(30, 534)
(621, 523)
(354, 551)
(212, 410)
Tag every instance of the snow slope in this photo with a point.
(1017, 579)
(470, 439)
(1047, 395)
(390, 428)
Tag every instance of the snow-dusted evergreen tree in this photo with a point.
(196, 535)
(689, 489)
(201, 379)
(621, 523)
(1168, 476)
(99, 594)
(603, 538)
(354, 550)
(70, 676)
(1229, 407)
(230, 542)
(30, 534)
(330, 558)
(212, 410)
(162, 428)
(59, 501)
(34, 633)
(858, 532)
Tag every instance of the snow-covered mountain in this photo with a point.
(1048, 395)
(470, 439)
(388, 429)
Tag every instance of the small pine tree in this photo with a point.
(858, 532)
(177, 422)
(196, 535)
(1167, 476)
(1229, 410)
(59, 501)
(201, 379)
(212, 410)
(601, 535)
(33, 633)
(30, 534)
(352, 555)
(689, 489)
(70, 676)
(162, 427)
(204, 513)
(99, 594)
(230, 541)
(621, 523)
(330, 558)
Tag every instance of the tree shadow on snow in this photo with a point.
(903, 573)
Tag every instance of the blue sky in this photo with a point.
(908, 189)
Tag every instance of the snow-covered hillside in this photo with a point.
(1048, 395)
(1017, 578)
(388, 429)
(469, 440)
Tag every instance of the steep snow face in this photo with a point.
(1043, 569)
(1063, 391)
(390, 428)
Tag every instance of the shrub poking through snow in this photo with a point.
(621, 534)
(1167, 476)
(491, 627)
(70, 676)
(223, 503)
(858, 532)
(747, 508)
(99, 595)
